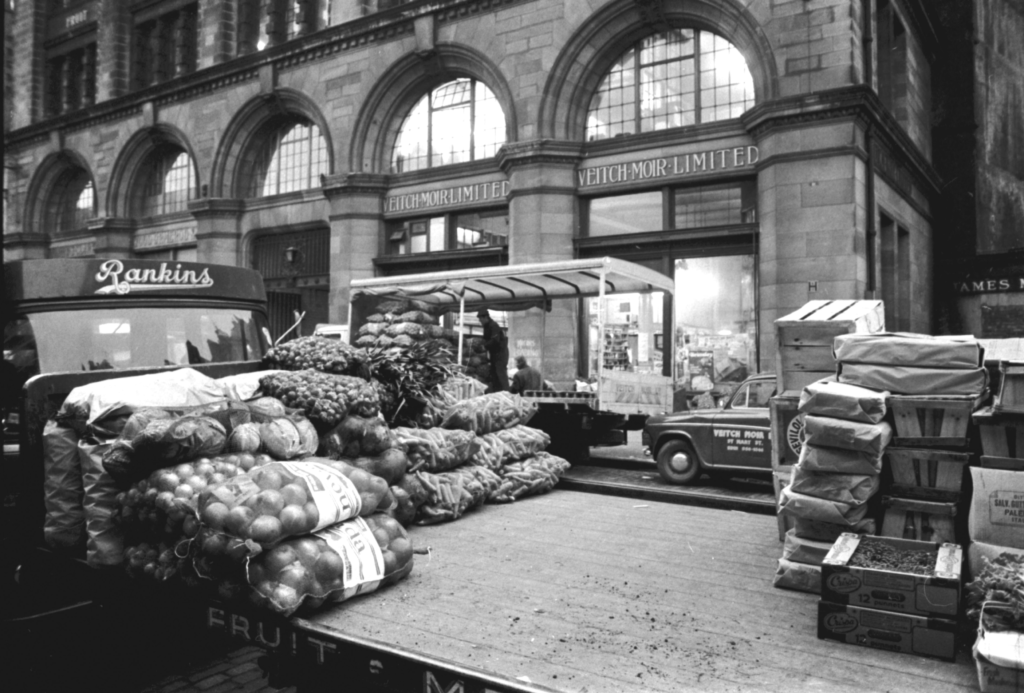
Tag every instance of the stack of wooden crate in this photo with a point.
(1001, 425)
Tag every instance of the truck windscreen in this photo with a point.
(125, 337)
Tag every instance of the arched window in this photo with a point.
(458, 121)
(74, 202)
(170, 184)
(293, 158)
(676, 78)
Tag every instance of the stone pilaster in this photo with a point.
(217, 229)
(542, 220)
(114, 37)
(29, 69)
(357, 224)
(219, 20)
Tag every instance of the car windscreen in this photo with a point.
(128, 337)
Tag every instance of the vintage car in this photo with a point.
(733, 438)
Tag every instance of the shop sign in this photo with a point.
(887, 165)
(668, 166)
(72, 19)
(123, 281)
(448, 197)
(165, 239)
(994, 285)
(77, 250)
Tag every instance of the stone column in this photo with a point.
(112, 236)
(217, 230)
(357, 226)
(542, 220)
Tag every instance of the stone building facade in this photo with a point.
(174, 130)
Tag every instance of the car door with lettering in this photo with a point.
(741, 429)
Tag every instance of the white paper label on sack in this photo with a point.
(354, 542)
(336, 497)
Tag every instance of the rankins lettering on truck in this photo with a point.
(125, 281)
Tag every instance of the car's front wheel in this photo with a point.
(678, 463)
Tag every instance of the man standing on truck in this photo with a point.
(496, 343)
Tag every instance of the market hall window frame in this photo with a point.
(292, 158)
(456, 122)
(461, 231)
(165, 42)
(672, 79)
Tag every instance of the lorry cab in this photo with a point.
(734, 437)
(69, 322)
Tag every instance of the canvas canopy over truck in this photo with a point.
(576, 420)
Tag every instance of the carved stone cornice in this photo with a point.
(535, 152)
(354, 183)
(859, 103)
(216, 207)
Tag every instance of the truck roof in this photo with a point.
(542, 281)
(60, 280)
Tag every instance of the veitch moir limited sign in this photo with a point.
(668, 166)
(447, 197)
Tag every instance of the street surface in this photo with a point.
(220, 665)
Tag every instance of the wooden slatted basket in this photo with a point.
(907, 518)
(1010, 397)
(932, 421)
(1001, 435)
(925, 474)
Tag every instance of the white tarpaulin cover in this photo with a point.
(494, 286)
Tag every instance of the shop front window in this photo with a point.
(715, 205)
(462, 231)
(634, 213)
(715, 323)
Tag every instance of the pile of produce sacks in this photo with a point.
(299, 486)
(836, 477)
(404, 323)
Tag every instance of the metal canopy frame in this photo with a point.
(514, 286)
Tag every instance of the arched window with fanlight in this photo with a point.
(169, 184)
(73, 202)
(293, 157)
(671, 79)
(456, 122)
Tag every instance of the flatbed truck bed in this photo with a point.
(585, 593)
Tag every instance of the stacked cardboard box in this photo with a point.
(892, 607)
(837, 474)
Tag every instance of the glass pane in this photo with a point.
(135, 337)
(411, 146)
(632, 332)
(437, 234)
(727, 87)
(715, 205)
(477, 229)
(715, 323)
(450, 136)
(489, 124)
(636, 213)
(612, 108)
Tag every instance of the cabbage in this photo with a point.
(309, 440)
(267, 407)
(281, 438)
(245, 438)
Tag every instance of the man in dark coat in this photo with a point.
(526, 378)
(496, 343)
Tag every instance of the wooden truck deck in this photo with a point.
(583, 593)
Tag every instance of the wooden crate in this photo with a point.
(1001, 435)
(932, 421)
(804, 338)
(927, 474)
(1015, 465)
(1010, 397)
(907, 518)
(787, 430)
